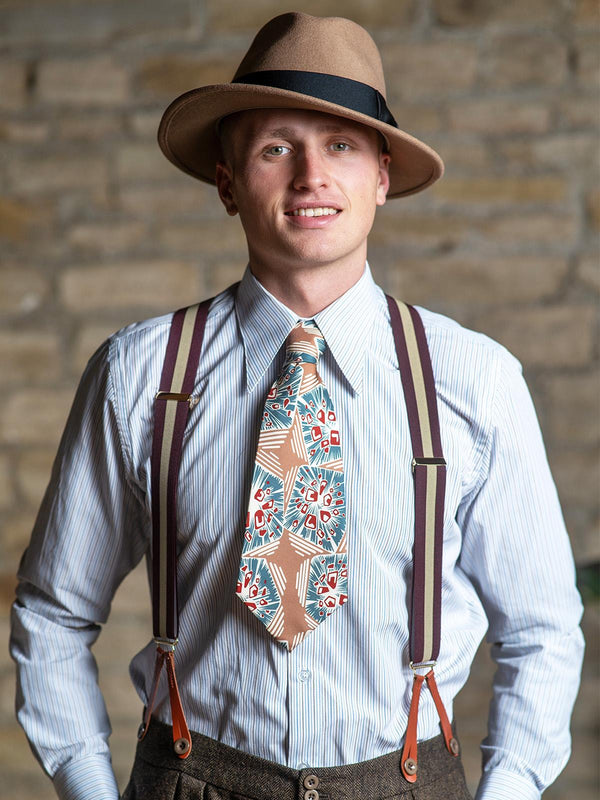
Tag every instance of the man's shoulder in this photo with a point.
(466, 360)
(447, 335)
(128, 363)
(148, 335)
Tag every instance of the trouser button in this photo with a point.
(410, 765)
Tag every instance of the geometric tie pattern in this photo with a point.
(294, 564)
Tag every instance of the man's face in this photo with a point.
(306, 186)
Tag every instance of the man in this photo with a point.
(288, 699)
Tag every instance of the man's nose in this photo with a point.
(311, 171)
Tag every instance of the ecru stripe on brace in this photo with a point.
(418, 380)
(183, 351)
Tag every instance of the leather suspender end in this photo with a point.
(182, 741)
(408, 761)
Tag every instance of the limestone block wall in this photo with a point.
(98, 229)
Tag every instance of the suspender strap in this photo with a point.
(171, 409)
(429, 472)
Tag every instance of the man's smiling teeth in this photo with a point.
(313, 212)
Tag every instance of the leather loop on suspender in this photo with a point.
(429, 471)
(408, 760)
(172, 405)
(182, 741)
(451, 742)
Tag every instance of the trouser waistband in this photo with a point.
(252, 777)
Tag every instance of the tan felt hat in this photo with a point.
(298, 61)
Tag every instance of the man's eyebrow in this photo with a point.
(278, 133)
(288, 133)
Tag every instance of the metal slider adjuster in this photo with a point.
(429, 665)
(426, 462)
(165, 644)
(178, 397)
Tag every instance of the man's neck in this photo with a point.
(308, 290)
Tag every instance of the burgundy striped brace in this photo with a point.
(172, 406)
(429, 471)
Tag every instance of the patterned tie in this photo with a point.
(294, 566)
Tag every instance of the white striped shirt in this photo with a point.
(343, 695)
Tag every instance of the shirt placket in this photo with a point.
(303, 726)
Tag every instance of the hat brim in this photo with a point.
(187, 133)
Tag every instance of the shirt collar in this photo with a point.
(265, 323)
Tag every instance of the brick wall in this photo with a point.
(97, 229)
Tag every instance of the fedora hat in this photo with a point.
(298, 61)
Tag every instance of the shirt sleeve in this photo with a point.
(89, 533)
(516, 552)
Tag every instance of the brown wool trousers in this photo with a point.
(215, 771)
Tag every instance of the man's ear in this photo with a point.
(384, 178)
(224, 181)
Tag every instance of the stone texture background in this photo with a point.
(97, 229)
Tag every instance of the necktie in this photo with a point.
(294, 567)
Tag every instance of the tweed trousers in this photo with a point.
(215, 771)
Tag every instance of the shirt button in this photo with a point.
(304, 675)
(311, 782)
(303, 765)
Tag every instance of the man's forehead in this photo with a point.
(289, 122)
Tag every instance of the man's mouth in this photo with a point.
(320, 211)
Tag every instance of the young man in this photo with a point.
(296, 494)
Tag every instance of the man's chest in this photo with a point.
(220, 445)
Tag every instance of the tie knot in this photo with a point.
(306, 341)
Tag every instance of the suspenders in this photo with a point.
(171, 409)
(429, 472)
(172, 405)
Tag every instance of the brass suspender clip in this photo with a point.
(425, 462)
(178, 397)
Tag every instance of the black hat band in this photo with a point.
(353, 95)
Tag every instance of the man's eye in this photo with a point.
(277, 150)
(340, 147)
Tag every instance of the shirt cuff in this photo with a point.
(500, 784)
(90, 778)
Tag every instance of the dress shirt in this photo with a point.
(343, 695)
